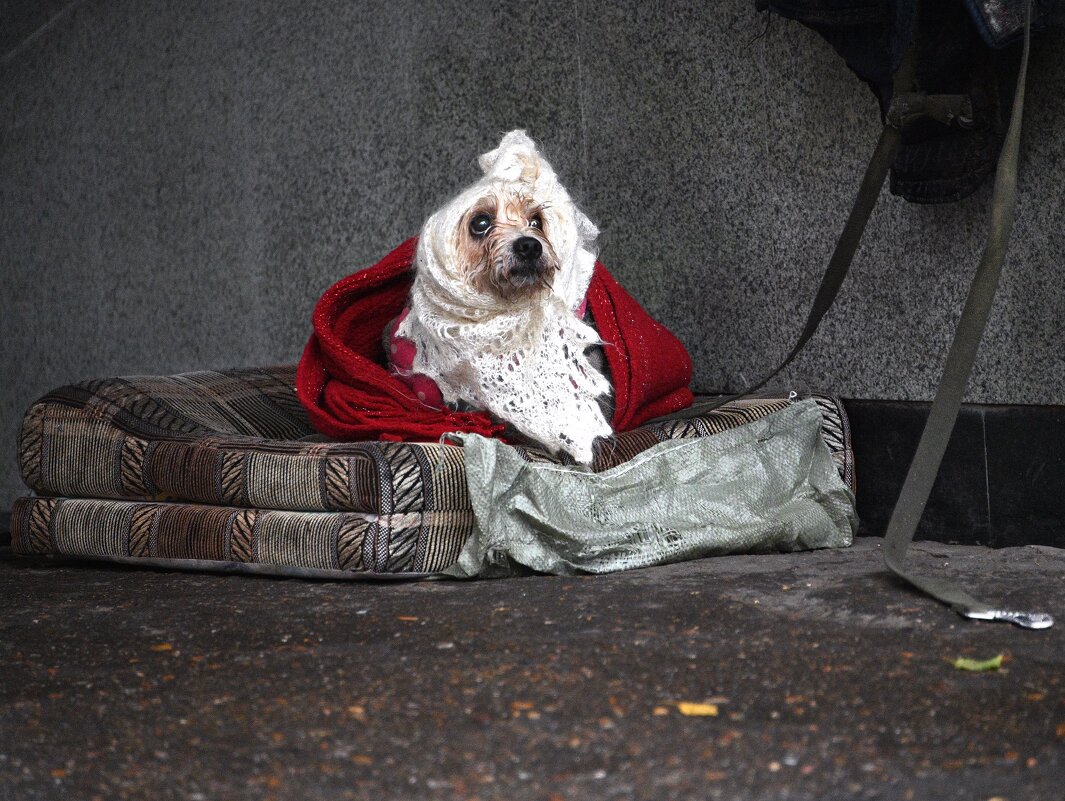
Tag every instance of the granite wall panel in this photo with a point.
(180, 181)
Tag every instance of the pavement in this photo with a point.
(801, 676)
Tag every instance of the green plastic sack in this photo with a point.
(769, 485)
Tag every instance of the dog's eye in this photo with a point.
(536, 222)
(480, 224)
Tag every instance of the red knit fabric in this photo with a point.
(350, 395)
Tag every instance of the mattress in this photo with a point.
(222, 470)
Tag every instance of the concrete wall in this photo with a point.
(180, 181)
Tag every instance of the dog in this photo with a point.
(495, 319)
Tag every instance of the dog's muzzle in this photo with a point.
(528, 265)
(528, 248)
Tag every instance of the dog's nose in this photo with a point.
(528, 247)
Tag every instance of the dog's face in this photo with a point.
(505, 245)
(514, 235)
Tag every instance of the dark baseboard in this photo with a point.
(1002, 481)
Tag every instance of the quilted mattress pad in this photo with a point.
(222, 470)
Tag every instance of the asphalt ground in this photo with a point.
(802, 676)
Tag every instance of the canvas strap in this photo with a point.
(907, 105)
(926, 461)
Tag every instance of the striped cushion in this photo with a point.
(225, 466)
(172, 533)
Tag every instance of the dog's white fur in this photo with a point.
(517, 353)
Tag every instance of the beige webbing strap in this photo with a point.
(926, 461)
(929, 455)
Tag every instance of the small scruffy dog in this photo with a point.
(495, 317)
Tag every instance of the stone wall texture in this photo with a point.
(179, 182)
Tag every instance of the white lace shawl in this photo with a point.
(521, 360)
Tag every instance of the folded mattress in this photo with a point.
(223, 470)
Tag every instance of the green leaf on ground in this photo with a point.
(978, 665)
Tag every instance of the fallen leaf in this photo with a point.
(358, 712)
(659, 711)
(694, 709)
(978, 665)
(408, 618)
(163, 646)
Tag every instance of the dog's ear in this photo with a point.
(516, 159)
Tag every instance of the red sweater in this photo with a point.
(344, 382)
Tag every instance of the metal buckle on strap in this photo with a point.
(1026, 620)
(908, 107)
